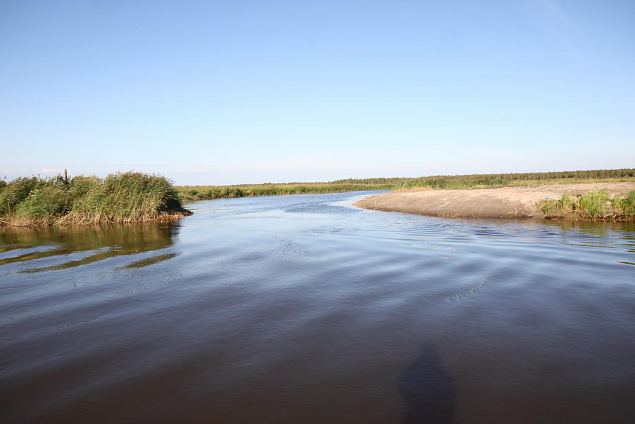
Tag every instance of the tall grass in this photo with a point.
(12, 194)
(625, 205)
(123, 197)
(594, 205)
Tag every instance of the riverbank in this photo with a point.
(119, 198)
(192, 193)
(503, 202)
(454, 182)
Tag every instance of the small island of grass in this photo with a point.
(119, 198)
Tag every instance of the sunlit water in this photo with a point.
(304, 309)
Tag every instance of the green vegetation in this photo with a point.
(454, 182)
(434, 182)
(268, 189)
(124, 197)
(594, 205)
(135, 197)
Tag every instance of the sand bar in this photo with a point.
(502, 202)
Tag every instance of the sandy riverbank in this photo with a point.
(503, 202)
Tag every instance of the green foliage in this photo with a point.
(217, 192)
(449, 182)
(499, 180)
(626, 205)
(551, 208)
(124, 197)
(594, 205)
(80, 186)
(559, 208)
(44, 203)
(15, 192)
(566, 203)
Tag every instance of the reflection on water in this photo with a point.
(100, 243)
(304, 309)
(151, 260)
(600, 229)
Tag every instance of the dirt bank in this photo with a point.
(504, 202)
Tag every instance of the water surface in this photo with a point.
(306, 309)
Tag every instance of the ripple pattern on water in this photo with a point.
(291, 309)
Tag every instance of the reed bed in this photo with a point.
(591, 206)
(119, 198)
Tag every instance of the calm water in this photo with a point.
(303, 309)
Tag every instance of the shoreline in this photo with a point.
(501, 202)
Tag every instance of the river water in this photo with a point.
(305, 309)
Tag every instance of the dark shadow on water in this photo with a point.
(427, 390)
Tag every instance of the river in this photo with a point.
(305, 309)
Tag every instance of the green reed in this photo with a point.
(122, 197)
(594, 205)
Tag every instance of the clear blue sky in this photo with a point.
(255, 91)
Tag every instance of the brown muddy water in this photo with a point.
(304, 309)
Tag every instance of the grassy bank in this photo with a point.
(594, 206)
(433, 182)
(119, 198)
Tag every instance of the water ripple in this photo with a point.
(306, 309)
